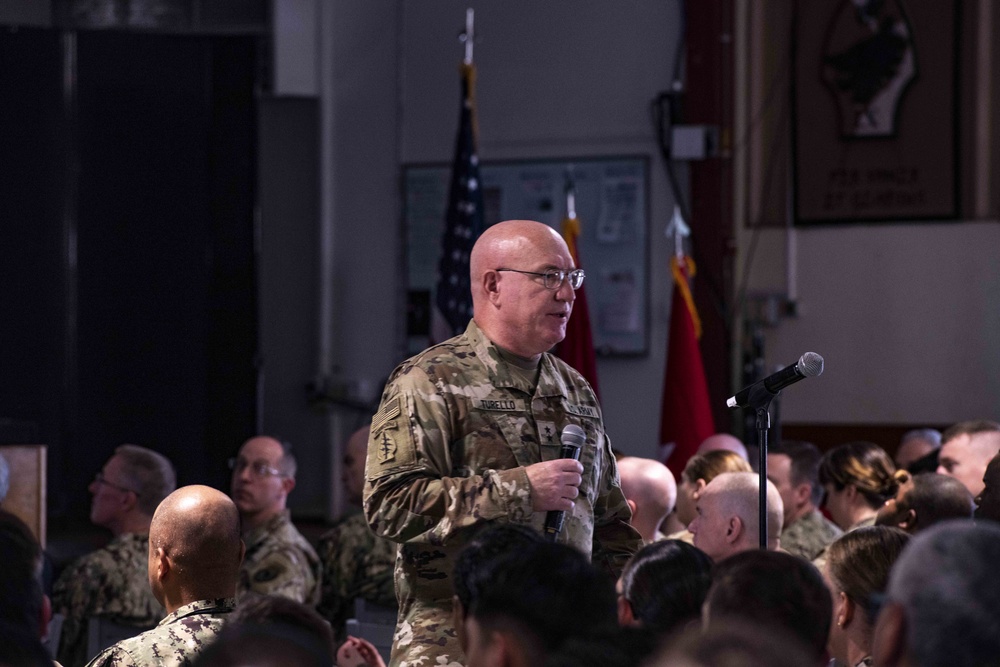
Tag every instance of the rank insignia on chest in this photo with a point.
(547, 433)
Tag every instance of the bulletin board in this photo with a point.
(611, 204)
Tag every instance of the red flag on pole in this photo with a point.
(577, 349)
(686, 418)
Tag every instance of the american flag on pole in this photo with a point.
(463, 224)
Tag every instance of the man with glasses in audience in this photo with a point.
(111, 582)
(279, 560)
(468, 433)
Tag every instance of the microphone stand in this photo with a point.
(760, 400)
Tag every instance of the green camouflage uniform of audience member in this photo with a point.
(279, 561)
(110, 582)
(809, 536)
(356, 564)
(447, 452)
(175, 642)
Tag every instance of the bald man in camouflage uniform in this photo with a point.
(279, 560)
(194, 563)
(468, 432)
(111, 582)
(356, 563)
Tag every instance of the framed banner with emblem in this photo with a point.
(875, 111)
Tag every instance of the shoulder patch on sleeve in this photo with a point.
(390, 445)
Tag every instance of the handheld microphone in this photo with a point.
(809, 365)
(572, 438)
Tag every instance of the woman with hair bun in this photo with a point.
(858, 478)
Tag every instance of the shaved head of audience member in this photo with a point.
(699, 471)
(942, 604)
(925, 499)
(988, 500)
(723, 442)
(966, 449)
(195, 548)
(916, 445)
(650, 491)
(858, 478)
(857, 571)
(728, 520)
(772, 589)
(664, 586)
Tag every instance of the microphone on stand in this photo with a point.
(572, 438)
(809, 365)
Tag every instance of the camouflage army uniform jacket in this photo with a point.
(356, 564)
(809, 536)
(175, 642)
(279, 561)
(110, 582)
(447, 452)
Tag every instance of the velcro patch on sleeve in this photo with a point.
(390, 445)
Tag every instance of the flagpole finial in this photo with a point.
(468, 37)
(679, 230)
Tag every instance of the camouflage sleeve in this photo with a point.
(615, 540)
(285, 573)
(334, 603)
(411, 494)
(112, 657)
(71, 597)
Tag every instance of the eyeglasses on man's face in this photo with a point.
(258, 469)
(553, 278)
(100, 479)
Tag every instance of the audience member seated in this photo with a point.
(619, 647)
(923, 500)
(356, 563)
(943, 600)
(966, 449)
(733, 644)
(723, 442)
(664, 586)
(793, 467)
(918, 448)
(24, 609)
(475, 563)
(651, 493)
(194, 564)
(858, 478)
(534, 603)
(699, 471)
(279, 560)
(111, 582)
(988, 500)
(776, 592)
(728, 515)
(857, 572)
(297, 625)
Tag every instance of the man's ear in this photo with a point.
(163, 566)
(631, 506)
(845, 610)
(803, 492)
(734, 529)
(909, 521)
(699, 486)
(287, 484)
(625, 614)
(491, 286)
(243, 551)
(889, 637)
(44, 617)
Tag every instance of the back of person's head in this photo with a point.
(736, 643)
(772, 588)
(946, 588)
(543, 596)
(150, 473)
(665, 585)
(709, 465)
(738, 494)
(475, 562)
(21, 597)
(616, 647)
(805, 458)
(255, 609)
(265, 645)
(863, 465)
(936, 498)
(859, 563)
(723, 442)
(198, 528)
